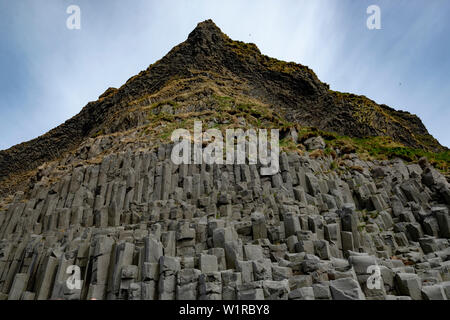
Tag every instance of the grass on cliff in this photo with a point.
(223, 112)
(367, 112)
(376, 148)
(381, 148)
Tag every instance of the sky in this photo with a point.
(48, 72)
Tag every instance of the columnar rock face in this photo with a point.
(139, 227)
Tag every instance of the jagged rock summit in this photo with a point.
(96, 208)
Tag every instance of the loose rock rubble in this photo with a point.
(140, 227)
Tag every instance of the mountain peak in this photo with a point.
(206, 27)
(206, 31)
(207, 35)
(207, 66)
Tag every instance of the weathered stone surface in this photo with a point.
(305, 293)
(250, 291)
(187, 283)
(409, 284)
(208, 263)
(434, 292)
(276, 290)
(346, 289)
(315, 143)
(230, 281)
(210, 286)
(262, 269)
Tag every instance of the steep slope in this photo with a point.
(291, 90)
